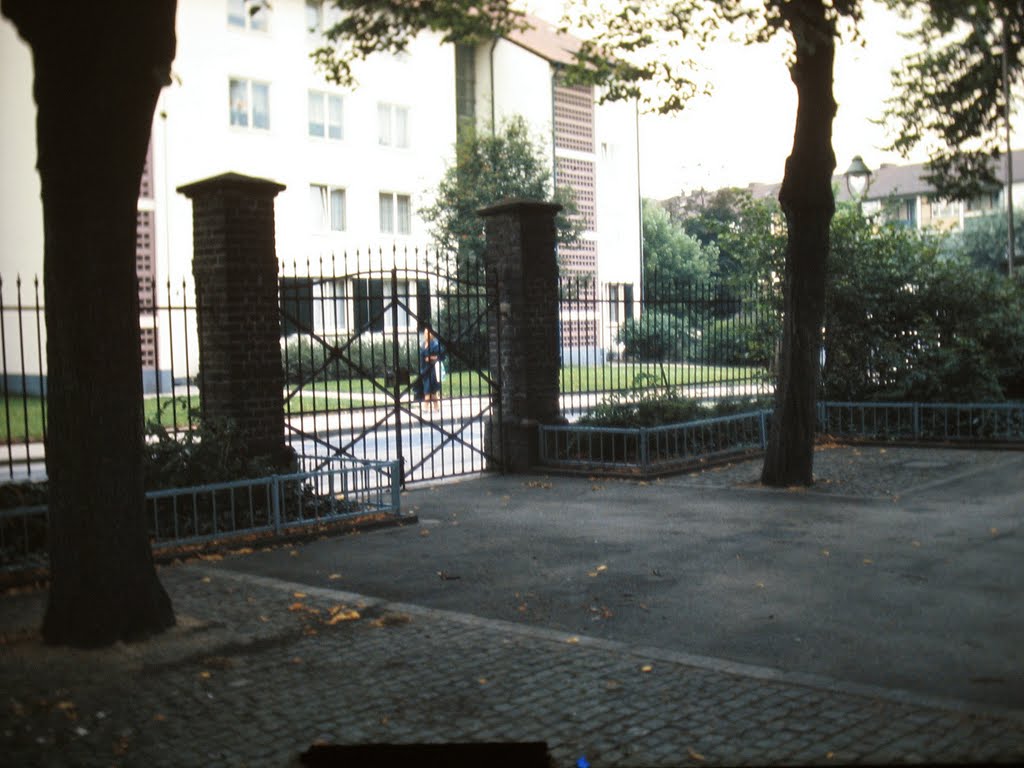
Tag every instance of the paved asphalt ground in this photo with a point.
(698, 619)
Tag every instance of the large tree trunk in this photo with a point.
(806, 199)
(99, 68)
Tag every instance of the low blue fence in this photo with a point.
(272, 505)
(653, 450)
(943, 422)
(644, 450)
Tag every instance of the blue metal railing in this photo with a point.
(341, 490)
(943, 422)
(651, 449)
(648, 449)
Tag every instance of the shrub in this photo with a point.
(304, 359)
(656, 336)
(645, 409)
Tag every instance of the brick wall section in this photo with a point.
(521, 261)
(235, 268)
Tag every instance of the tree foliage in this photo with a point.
(983, 241)
(672, 258)
(949, 95)
(490, 167)
(904, 322)
(364, 27)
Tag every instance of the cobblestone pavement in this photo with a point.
(258, 669)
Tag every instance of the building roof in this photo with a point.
(545, 40)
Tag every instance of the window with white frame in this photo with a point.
(249, 102)
(331, 306)
(325, 115)
(393, 125)
(314, 16)
(327, 208)
(249, 14)
(395, 213)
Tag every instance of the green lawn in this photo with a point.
(354, 393)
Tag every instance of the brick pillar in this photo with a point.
(521, 259)
(235, 268)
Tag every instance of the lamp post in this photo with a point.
(858, 178)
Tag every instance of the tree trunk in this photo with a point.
(807, 202)
(99, 68)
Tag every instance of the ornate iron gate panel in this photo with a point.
(350, 352)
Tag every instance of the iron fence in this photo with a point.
(339, 491)
(650, 450)
(943, 422)
(708, 340)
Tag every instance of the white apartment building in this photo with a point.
(357, 164)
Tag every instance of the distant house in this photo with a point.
(901, 195)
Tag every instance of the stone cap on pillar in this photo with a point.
(234, 181)
(521, 203)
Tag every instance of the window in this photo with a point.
(393, 125)
(250, 104)
(327, 207)
(314, 16)
(249, 14)
(325, 111)
(395, 214)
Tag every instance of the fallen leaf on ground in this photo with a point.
(391, 619)
(294, 553)
(825, 552)
(334, 576)
(206, 674)
(695, 755)
(572, 640)
(299, 595)
(159, 718)
(646, 668)
(868, 561)
(297, 607)
(341, 613)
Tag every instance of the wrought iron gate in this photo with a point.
(352, 368)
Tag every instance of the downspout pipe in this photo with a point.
(494, 44)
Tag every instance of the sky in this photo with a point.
(743, 132)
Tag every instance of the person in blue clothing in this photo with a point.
(431, 368)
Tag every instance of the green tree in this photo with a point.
(952, 89)
(983, 241)
(906, 323)
(672, 258)
(490, 167)
(99, 68)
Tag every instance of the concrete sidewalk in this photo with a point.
(572, 611)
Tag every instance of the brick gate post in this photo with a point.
(235, 268)
(521, 260)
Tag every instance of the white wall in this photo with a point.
(618, 194)
(522, 86)
(21, 211)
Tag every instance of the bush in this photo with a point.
(210, 453)
(645, 409)
(903, 323)
(304, 359)
(656, 336)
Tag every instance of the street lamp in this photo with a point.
(858, 177)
